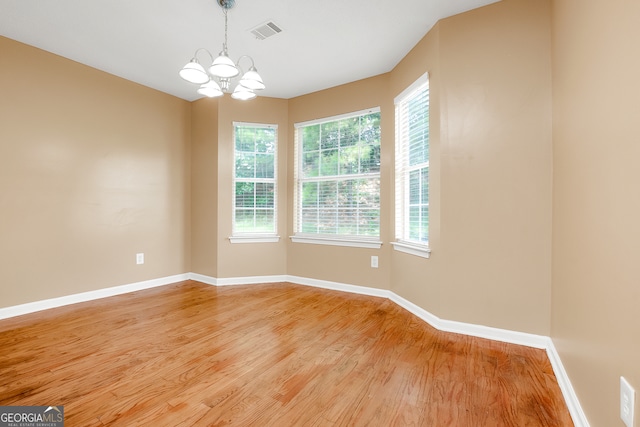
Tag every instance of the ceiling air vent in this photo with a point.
(265, 30)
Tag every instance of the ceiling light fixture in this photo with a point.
(217, 81)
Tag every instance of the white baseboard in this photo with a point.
(570, 397)
(423, 314)
(203, 279)
(353, 289)
(496, 334)
(252, 280)
(32, 307)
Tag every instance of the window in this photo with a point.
(254, 182)
(337, 177)
(412, 169)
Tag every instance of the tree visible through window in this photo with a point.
(255, 179)
(338, 176)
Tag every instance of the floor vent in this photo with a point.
(265, 30)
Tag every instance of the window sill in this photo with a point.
(254, 239)
(412, 249)
(336, 241)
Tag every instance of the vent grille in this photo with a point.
(265, 30)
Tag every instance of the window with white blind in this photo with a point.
(337, 176)
(412, 169)
(254, 183)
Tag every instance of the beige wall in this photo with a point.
(596, 226)
(418, 279)
(490, 80)
(496, 166)
(93, 169)
(204, 187)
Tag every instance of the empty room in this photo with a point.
(296, 213)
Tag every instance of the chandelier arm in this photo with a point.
(240, 71)
(195, 55)
(245, 56)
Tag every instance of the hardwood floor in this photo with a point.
(267, 355)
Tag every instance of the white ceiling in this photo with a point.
(324, 43)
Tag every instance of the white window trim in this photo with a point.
(411, 248)
(254, 239)
(336, 118)
(400, 245)
(336, 241)
(257, 237)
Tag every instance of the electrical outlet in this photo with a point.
(140, 258)
(627, 401)
(374, 261)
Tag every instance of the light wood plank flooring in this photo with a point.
(267, 355)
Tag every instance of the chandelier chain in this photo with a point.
(225, 30)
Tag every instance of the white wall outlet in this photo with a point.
(627, 401)
(140, 258)
(374, 261)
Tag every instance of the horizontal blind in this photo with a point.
(255, 174)
(338, 176)
(412, 164)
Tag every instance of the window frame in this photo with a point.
(319, 238)
(255, 236)
(403, 169)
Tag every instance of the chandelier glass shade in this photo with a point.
(243, 93)
(210, 89)
(216, 80)
(193, 72)
(223, 67)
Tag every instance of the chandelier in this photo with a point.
(217, 81)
